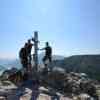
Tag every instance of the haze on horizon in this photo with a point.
(71, 26)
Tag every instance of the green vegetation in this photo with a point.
(89, 64)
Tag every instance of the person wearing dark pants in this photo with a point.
(48, 53)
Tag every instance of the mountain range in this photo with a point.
(89, 64)
(9, 63)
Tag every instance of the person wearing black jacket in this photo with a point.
(48, 53)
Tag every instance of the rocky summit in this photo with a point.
(55, 84)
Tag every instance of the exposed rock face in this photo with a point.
(68, 84)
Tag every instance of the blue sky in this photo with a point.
(71, 26)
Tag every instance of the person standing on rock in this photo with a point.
(23, 58)
(48, 53)
(29, 49)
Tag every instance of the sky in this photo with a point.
(70, 26)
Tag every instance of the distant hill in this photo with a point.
(89, 64)
(2, 69)
(15, 64)
(4, 61)
(9, 63)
